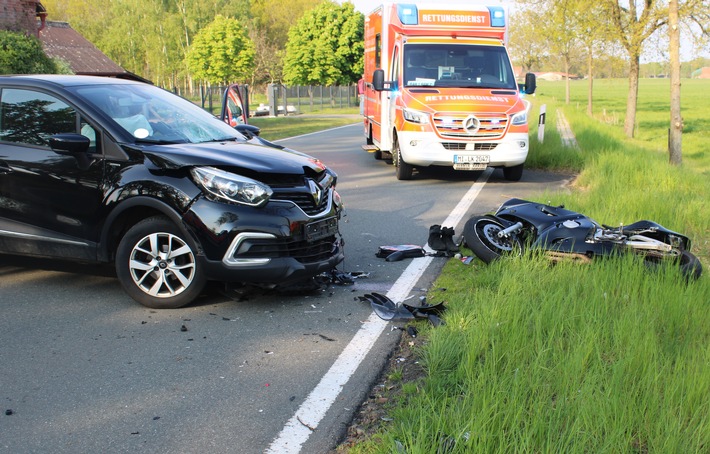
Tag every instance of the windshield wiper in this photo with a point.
(161, 141)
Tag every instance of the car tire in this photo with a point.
(403, 170)
(158, 266)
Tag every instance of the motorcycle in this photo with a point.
(564, 234)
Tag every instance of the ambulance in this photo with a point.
(439, 89)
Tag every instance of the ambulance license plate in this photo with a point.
(471, 162)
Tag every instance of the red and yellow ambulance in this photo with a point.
(439, 89)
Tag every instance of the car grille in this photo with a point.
(458, 146)
(313, 197)
(303, 251)
(304, 200)
(491, 126)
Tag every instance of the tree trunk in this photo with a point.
(590, 81)
(632, 99)
(567, 94)
(676, 129)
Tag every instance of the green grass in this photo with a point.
(578, 358)
(274, 128)
(535, 357)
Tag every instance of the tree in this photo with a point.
(632, 26)
(676, 129)
(221, 52)
(273, 18)
(594, 37)
(633, 22)
(527, 45)
(20, 54)
(563, 30)
(325, 47)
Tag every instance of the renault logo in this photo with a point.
(471, 124)
(316, 191)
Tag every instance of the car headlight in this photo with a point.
(415, 116)
(231, 187)
(521, 118)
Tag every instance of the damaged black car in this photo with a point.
(97, 169)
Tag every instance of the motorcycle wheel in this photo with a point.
(690, 266)
(481, 236)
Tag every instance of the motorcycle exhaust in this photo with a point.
(512, 229)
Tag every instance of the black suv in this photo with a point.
(97, 169)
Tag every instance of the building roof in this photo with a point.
(59, 40)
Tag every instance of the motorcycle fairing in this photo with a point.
(657, 232)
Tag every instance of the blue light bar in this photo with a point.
(408, 14)
(497, 16)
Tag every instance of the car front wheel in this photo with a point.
(157, 266)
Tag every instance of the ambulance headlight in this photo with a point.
(520, 118)
(416, 116)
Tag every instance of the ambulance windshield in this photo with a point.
(457, 65)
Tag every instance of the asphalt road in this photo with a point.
(84, 369)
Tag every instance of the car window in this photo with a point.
(85, 129)
(32, 117)
(151, 114)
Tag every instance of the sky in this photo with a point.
(687, 53)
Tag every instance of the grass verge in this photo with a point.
(275, 128)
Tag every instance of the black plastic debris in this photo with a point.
(399, 252)
(9, 412)
(343, 278)
(385, 308)
(388, 310)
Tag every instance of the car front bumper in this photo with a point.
(276, 244)
(423, 149)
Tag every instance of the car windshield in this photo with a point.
(457, 65)
(153, 115)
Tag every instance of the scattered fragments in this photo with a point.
(387, 309)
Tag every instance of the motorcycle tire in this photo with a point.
(690, 266)
(481, 236)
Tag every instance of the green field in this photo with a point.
(576, 358)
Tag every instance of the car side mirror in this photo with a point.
(530, 83)
(69, 143)
(378, 80)
(248, 131)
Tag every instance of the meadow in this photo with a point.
(604, 357)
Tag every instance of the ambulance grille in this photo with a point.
(458, 146)
(491, 126)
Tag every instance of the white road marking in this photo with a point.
(299, 428)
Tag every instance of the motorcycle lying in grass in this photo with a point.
(565, 234)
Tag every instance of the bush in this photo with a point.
(20, 54)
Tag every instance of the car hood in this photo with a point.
(239, 155)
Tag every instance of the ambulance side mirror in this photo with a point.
(378, 80)
(530, 83)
